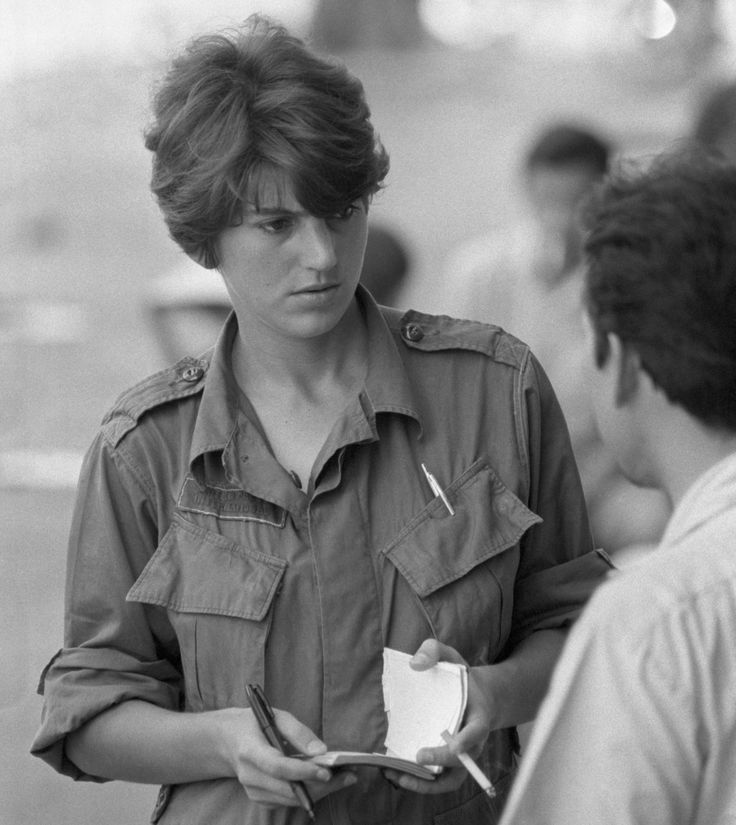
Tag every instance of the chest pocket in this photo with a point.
(462, 568)
(218, 596)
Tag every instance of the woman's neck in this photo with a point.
(303, 366)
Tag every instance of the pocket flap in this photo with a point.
(196, 571)
(431, 552)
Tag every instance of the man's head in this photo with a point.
(561, 166)
(661, 281)
(242, 108)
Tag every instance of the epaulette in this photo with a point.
(183, 379)
(441, 332)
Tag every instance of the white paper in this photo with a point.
(420, 704)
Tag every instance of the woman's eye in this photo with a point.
(276, 225)
(347, 213)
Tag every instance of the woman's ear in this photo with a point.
(201, 259)
(627, 366)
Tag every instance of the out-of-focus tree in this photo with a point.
(341, 25)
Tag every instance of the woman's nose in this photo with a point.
(318, 245)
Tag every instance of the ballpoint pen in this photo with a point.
(471, 767)
(437, 490)
(267, 722)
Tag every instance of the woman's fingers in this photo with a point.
(449, 780)
(264, 787)
(266, 773)
(431, 651)
(299, 736)
(341, 779)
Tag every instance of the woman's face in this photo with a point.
(290, 274)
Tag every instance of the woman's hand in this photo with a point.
(470, 738)
(265, 773)
(137, 741)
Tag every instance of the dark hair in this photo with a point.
(661, 275)
(240, 104)
(565, 144)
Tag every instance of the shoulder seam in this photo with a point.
(441, 332)
(121, 454)
(154, 391)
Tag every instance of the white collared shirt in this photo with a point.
(639, 725)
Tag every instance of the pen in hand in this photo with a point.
(267, 722)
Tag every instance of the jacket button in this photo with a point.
(413, 332)
(502, 504)
(192, 374)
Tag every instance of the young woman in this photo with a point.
(260, 514)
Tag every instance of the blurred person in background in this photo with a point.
(187, 306)
(526, 277)
(714, 128)
(540, 249)
(260, 514)
(386, 264)
(639, 725)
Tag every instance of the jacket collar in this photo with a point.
(388, 388)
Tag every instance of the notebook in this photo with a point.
(419, 705)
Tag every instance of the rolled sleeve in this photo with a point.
(78, 684)
(554, 597)
(559, 568)
(114, 650)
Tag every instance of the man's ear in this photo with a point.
(627, 366)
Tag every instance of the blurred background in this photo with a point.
(457, 89)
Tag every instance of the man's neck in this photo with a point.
(696, 449)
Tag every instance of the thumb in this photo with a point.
(298, 735)
(432, 651)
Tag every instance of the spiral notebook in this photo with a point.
(419, 705)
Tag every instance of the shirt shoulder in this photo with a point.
(658, 593)
(429, 333)
(182, 380)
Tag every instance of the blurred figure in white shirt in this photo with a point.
(639, 725)
(525, 276)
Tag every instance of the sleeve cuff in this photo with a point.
(80, 683)
(554, 597)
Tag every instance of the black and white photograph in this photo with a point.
(368, 445)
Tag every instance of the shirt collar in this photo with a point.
(217, 416)
(712, 493)
(387, 386)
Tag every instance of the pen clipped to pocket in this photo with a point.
(437, 489)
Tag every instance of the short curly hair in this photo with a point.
(661, 275)
(242, 103)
